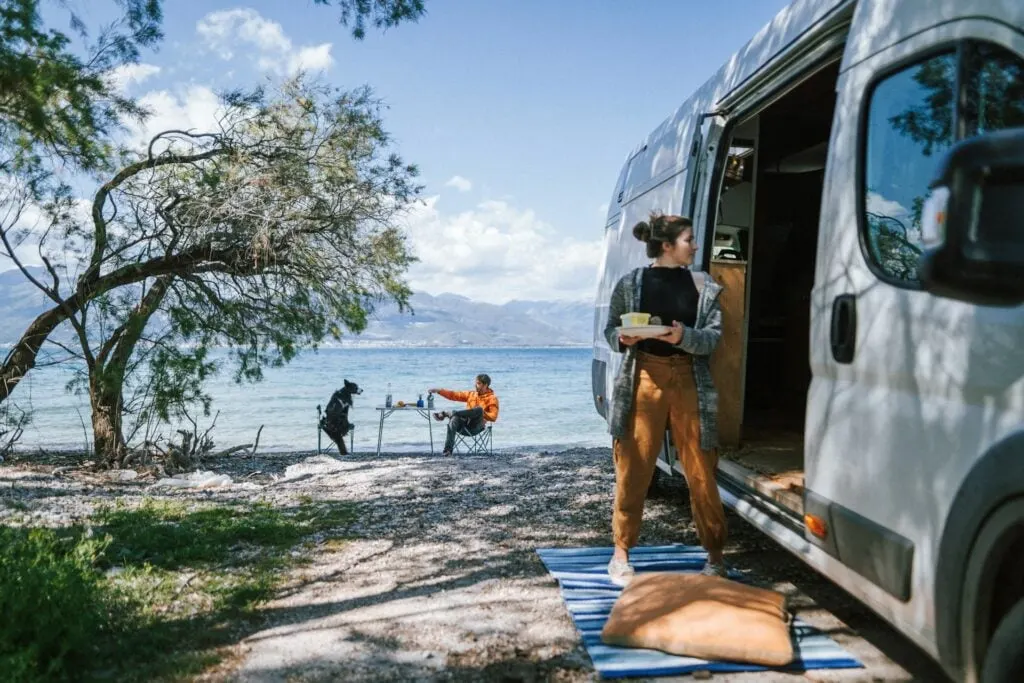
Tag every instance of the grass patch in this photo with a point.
(149, 593)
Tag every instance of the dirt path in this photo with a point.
(442, 582)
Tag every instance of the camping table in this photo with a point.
(386, 412)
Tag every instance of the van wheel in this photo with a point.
(1004, 660)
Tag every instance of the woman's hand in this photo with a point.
(626, 340)
(674, 336)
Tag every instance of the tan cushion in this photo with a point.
(702, 616)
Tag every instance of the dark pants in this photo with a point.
(469, 422)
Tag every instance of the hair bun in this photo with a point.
(642, 231)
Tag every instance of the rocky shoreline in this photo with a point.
(439, 578)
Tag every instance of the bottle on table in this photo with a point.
(419, 401)
(387, 397)
(430, 400)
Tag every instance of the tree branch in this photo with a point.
(100, 223)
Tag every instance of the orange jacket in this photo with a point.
(487, 400)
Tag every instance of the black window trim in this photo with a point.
(957, 48)
(717, 171)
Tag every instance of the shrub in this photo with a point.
(55, 604)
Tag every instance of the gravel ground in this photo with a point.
(442, 582)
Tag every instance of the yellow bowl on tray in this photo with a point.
(400, 404)
(635, 319)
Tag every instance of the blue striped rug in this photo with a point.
(582, 575)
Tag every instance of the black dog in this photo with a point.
(335, 420)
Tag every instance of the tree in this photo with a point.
(59, 110)
(270, 233)
(887, 239)
(54, 101)
(929, 122)
(382, 14)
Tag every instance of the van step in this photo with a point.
(787, 490)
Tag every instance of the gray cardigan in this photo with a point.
(699, 341)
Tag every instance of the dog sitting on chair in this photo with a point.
(335, 420)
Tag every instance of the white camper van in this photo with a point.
(855, 175)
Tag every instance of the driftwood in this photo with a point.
(232, 450)
(188, 453)
(257, 444)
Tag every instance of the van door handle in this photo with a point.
(844, 327)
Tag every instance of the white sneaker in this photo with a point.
(715, 569)
(621, 573)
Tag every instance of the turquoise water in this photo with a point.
(544, 393)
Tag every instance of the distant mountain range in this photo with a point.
(442, 320)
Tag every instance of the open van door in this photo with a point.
(696, 204)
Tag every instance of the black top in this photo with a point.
(670, 294)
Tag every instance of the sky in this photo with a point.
(519, 113)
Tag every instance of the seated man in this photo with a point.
(481, 405)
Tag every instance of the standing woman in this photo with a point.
(666, 380)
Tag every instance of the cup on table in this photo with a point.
(635, 319)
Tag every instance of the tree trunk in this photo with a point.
(107, 435)
(107, 376)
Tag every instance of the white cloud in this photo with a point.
(459, 183)
(603, 210)
(228, 31)
(496, 253)
(126, 75)
(24, 224)
(222, 29)
(27, 225)
(878, 204)
(315, 58)
(195, 108)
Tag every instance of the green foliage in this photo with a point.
(282, 227)
(53, 100)
(267, 234)
(56, 99)
(55, 604)
(381, 14)
(149, 593)
(177, 377)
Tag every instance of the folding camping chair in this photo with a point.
(479, 443)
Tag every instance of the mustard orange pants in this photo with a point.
(665, 393)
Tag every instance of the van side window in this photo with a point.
(912, 119)
(910, 124)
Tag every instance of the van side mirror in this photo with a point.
(972, 223)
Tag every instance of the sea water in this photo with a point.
(545, 397)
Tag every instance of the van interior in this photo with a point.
(768, 211)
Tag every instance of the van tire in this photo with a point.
(1004, 660)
